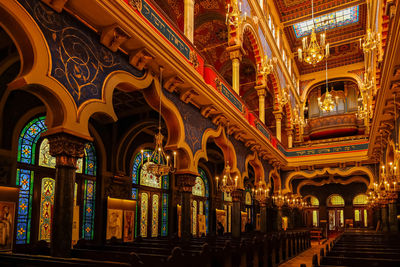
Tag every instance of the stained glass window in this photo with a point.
(360, 200)
(248, 198)
(315, 218)
(147, 178)
(143, 214)
(198, 189)
(134, 193)
(201, 208)
(335, 200)
(154, 221)
(27, 143)
(46, 208)
(227, 197)
(28, 139)
(314, 201)
(206, 209)
(194, 217)
(88, 210)
(365, 218)
(357, 215)
(45, 159)
(329, 21)
(164, 219)
(203, 176)
(25, 181)
(90, 158)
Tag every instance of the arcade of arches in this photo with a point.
(247, 148)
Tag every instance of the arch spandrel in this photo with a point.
(255, 162)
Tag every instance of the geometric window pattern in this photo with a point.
(27, 144)
(329, 21)
(143, 214)
(154, 221)
(203, 192)
(164, 218)
(248, 198)
(198, 189)
(89, 199)
(314, 201)
(46, 208)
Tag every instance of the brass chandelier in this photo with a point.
(266, 66)
(228, 183)
(372, 40)
(328, 104)
(156, 160)
(313, 52)
(261, 193)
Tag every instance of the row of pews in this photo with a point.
(254, 250)
(361, 248)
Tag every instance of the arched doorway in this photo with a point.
(311, 212)
(360, 211)
(335, 204)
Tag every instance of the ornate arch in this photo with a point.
(225, 145)
(248, 30)
(331, 171)
(255, 162)
(275, 176)
(332, 180)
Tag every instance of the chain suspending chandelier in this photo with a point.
(313, 52)
(328, 104)
(156, 160)
(228, 184)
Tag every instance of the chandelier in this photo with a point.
(158, 166)
(328, 104)
(284, 97)
(313, 52)
(228, 183)
(261, 193)
(266, 66)
(372, 40)
(278, 199)
(233, 15)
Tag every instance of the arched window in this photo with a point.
(360, 199)
(38, 164)
(314, 201)
(313, 211)
(335, 201)
(152, 193)
(200, 203)
(248, 203)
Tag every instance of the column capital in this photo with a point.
(261, 92)
(66, 148)
(185, 182)
(235, 52)
(278, 114)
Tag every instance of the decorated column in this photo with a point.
(185, 184)
(235, 53)
(66, 149)
(189, 19)
(278, 119)
(261, 102)
(236, 216)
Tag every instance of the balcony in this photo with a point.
(333, 126)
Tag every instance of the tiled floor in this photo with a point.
(306, 256)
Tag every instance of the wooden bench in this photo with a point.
(316, 234)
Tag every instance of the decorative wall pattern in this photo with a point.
(195, 123)
(78, 60)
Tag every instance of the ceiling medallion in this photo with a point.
(313, 52)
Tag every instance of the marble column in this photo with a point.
(261, 102)
(392, 217)
(189, 19)
(384, 218)
(66, 149)
(235, 53)
(185, 184)
(290, 137)
(236, 216)
(278, 119)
